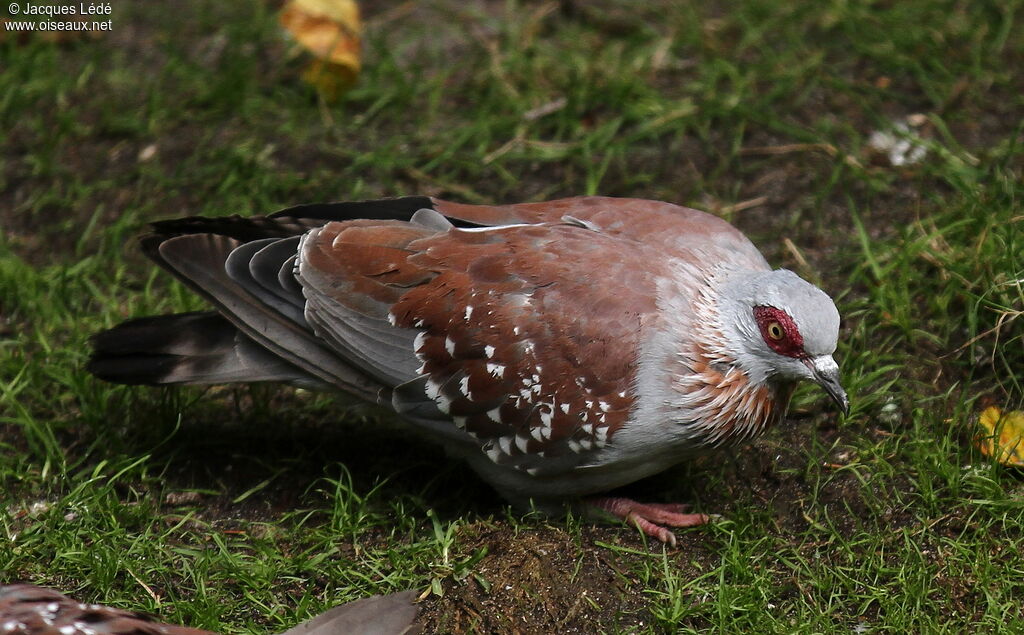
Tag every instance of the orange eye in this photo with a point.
(775, 331)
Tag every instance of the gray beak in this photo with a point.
(826, 373)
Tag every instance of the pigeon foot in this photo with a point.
(651, 518)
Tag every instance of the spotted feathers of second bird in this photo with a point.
(26, 609)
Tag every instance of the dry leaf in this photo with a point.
(330, 30)
(1002, 436)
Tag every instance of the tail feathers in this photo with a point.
(187, 348)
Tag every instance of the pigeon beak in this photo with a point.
(826, 373)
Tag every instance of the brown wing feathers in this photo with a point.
(351, 274)
(503, 324)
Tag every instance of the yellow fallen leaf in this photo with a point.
(1003, 436)
(330, 30)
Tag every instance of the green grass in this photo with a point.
(247, 509)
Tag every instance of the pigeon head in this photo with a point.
(785, 329)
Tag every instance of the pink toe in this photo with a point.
(654, 531)
(651, 518)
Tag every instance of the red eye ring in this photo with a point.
(779, 331)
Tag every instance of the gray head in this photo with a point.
(783, 328)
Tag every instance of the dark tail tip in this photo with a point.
(135, 370)
(149, 350)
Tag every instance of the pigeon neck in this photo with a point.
(718, 399)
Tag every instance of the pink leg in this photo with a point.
(649, 517)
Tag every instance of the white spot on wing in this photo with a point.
(497, 370)
(449, 346)
(506, 444)
(586, 224)
(565, 408)
(444, 404)
(489, 351)
(417, 343)
(469, 312)
(478, 230)
(521, 443)
(495, 415)
(432, 388)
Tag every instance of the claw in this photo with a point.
(650, 518)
